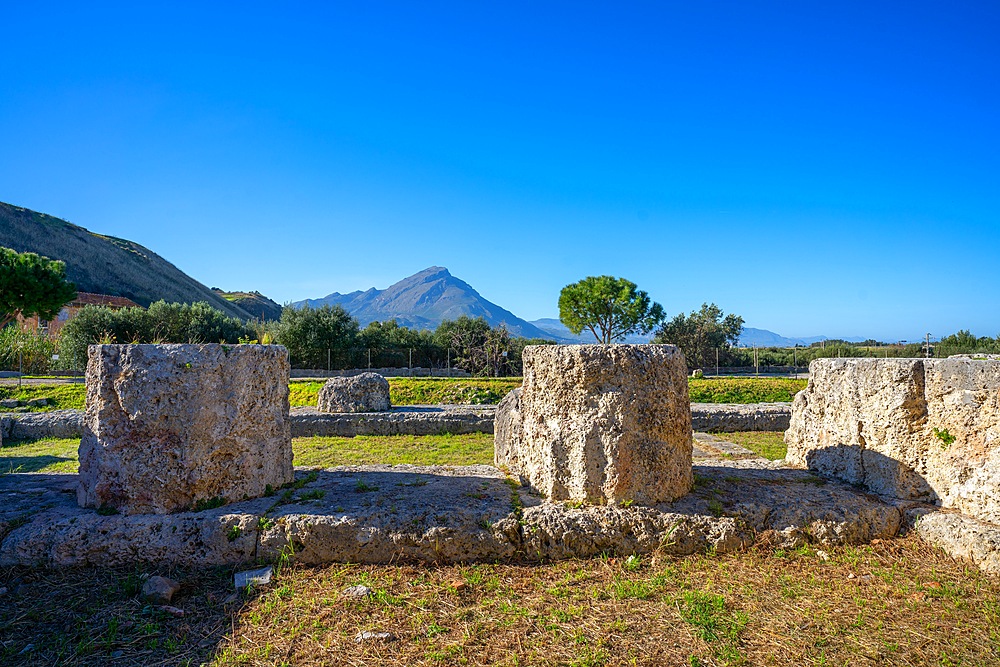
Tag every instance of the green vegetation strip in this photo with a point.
(769, 444)
(744, 390)
(61, 396)
(450, 391)
(60, 456)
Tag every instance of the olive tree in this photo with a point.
(701, 333)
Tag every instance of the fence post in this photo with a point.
(327, 360)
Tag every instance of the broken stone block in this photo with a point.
(367, 392)
(917, 429)
(177, 427)
(599, 423)
(159, 590)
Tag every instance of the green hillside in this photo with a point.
(104, 264)
(255, 303)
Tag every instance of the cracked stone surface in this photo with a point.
(366, 392)
(599, 423)
(440, 514)
(919, 429)
(171, 426)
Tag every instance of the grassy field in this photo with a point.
(478, 391)
(744, 390)
(60, 455)
(422, 391)
(769, 444)
(895, 602)
(61, 396)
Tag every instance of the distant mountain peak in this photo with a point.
(423, 301)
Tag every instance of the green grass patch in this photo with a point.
(769, 444)
(61, 396)
(421, 391)
(744, 390)
(457, 450)
(60, 456)
(452, 391)
(49, 455)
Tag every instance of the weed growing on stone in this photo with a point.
(203, 504)
(946, 438)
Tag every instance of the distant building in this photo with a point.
(70, 310)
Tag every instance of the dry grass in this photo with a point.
(892, 603)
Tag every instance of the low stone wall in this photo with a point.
(384, 372)
(427, 420)
(920, 429)
(408, 420)
(731, 417)
(35, 425)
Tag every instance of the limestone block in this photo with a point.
(367, 392)
(599, 423)
(918, 429)
(167, 426)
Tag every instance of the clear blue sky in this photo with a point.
(818, 168)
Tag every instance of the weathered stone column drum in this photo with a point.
(917, 429)
(599, 423)
(172, 427)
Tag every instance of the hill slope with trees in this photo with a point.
(105, 264)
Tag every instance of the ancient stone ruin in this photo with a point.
(599, 423)
(916, 429)
(172, 431)
(177, 427)
(367, 392)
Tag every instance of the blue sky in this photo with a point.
(818, 169)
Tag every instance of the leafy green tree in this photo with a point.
(610, 308)
(162, 322)
(701, 333)
(32, 285)
(317, 336)
(467, 336)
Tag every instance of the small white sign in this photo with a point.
(55, 357)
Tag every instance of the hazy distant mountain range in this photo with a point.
(119, 267)
(422, 301)
(765, 338)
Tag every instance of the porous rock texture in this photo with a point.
(921, 429)
(740, 417)
(167, 426)
(599, 423)
(367, 392)
(402, 420)
(438, 514)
